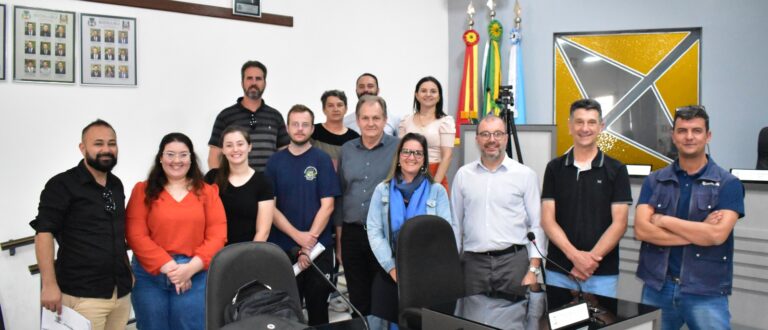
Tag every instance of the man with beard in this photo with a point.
(305, 185)
(495, 204)
(267, 128)
(84, 209)
(368, 84)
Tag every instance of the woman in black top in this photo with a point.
(247, 195)
(329, 136)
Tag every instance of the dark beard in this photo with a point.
(365, 93)
(253, 93)
(105, 165)
(300, 143)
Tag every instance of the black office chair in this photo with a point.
(238, 264)
(762, 149)
(428, 267)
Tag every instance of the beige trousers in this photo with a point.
(104, 314)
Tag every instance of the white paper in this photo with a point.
(568, 316)
(319, 248)
(68, 320)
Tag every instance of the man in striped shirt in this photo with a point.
(266, 125)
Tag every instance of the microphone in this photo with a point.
(532, 237)
(298, 252)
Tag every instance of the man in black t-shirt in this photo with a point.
(585, 201)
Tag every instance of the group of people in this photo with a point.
(298, 184)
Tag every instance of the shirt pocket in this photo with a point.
(712, 267)
(661, 203)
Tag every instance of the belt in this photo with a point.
(355, 225)
(512, 249)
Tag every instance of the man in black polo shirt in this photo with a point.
(585, 201)
(84, 209)
(267, 128)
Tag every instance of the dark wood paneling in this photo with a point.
(198, 9)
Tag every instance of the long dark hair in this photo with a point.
(439, 106)
(222, 176)
(157, 179)
(395, 171)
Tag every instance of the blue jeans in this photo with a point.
(604, 285)
(697, 311)
(158, 307)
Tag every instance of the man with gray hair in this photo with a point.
(363, 164)
(495, 204)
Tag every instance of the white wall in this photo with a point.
(188, 70)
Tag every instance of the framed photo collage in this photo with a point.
(44, 47)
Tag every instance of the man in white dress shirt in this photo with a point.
(496, 203)
(368, 84)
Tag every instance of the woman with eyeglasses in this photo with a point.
(438, 128)
(408, 191)
(175, 224)
(246, 194)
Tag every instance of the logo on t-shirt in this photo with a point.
(310, 173)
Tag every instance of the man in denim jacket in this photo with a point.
(685, 217)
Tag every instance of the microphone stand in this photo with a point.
(349, 303)
(532, 238)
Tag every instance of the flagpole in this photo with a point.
(466, 112)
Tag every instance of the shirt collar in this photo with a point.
(84, 176)
(505, 165)
(598, 161)
(680, 171)
(359, 142)
(240, 105)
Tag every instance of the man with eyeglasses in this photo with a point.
(685, 217)
(84, 210)
(495, 204)
(305, 185)
(267, 128)
(585, 202)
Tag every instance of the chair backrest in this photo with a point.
(762, 149)
(238, 264)
(428, 266)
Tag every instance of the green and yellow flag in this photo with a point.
(492, 65)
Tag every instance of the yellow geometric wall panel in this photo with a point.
(639, 78)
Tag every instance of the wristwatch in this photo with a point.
(535, 270)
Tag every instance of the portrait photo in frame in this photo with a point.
(43, 45)
(108, 50)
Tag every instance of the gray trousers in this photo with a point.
(483, 273)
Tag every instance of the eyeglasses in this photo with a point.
(487, 135)
(172, 155)
(405, 153)
(297, 124)
(252, 122)
(109, 201)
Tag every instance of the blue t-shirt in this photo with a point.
(299, 182)
(731, 198)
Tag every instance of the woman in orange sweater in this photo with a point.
(175, 224)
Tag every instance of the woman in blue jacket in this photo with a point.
(408, 191)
